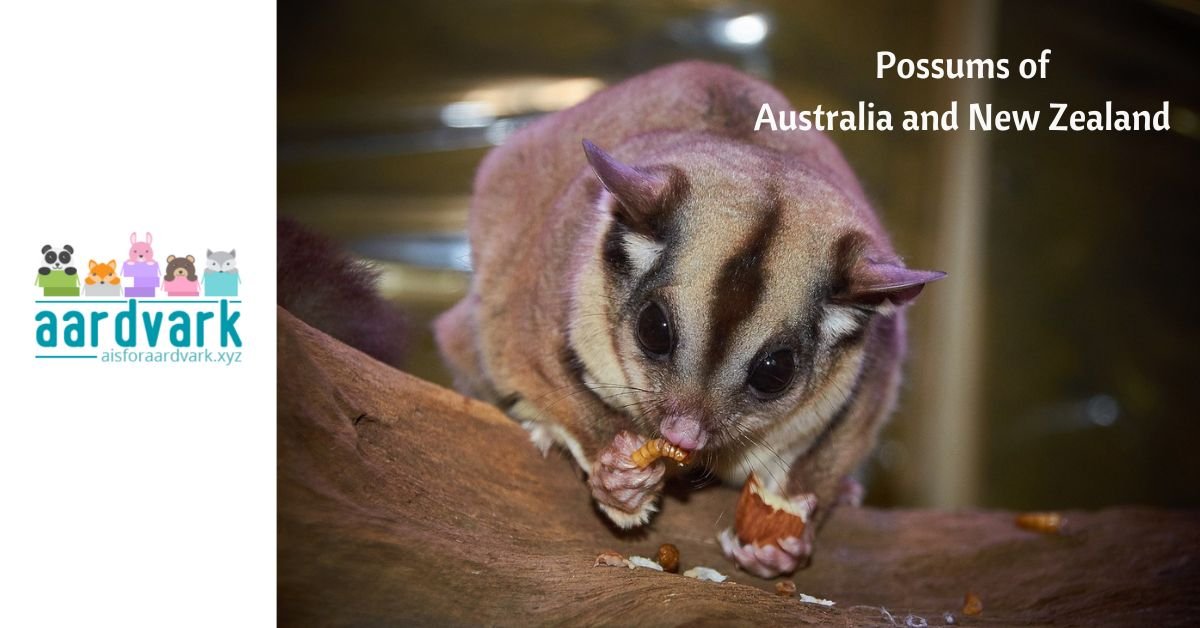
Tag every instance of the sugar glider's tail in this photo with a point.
(326, 287)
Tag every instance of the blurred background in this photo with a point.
(1056, 368)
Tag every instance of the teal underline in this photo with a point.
(150, 301)
(63, 357)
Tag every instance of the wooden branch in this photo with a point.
(401, 502)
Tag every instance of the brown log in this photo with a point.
(403, 503)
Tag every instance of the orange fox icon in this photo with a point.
(102, 280)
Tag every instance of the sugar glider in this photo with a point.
(647, 265)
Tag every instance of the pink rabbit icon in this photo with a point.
(141, 251)
(141, 267)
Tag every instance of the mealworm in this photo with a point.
(659, 448)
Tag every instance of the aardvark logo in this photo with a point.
(137, 310)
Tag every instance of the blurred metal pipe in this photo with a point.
(445, 251)
(375, 146)
(950, 460)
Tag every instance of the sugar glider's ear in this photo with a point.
(868, 281)
(873, 283)
(644, 196)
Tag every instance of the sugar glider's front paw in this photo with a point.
(783, 556)
(770, 560)
(623, 491)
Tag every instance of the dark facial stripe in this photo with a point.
(571, 362)
(739, 289)
(579, 373)
(869, 330)
(821, 451)
(656, 219)
(632, 290)
(615, 255)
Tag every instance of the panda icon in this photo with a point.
(58, 278)
(57, 259)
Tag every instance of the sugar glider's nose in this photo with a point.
(684, 432)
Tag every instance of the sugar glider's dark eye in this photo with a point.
(773, 374)
(654, 331)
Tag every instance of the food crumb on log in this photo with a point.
(705, 573)
(972, 604)
(610, 559)
(786, 588)
(668, 557)
(642, 561)
(1044, 522)
(808, 599)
